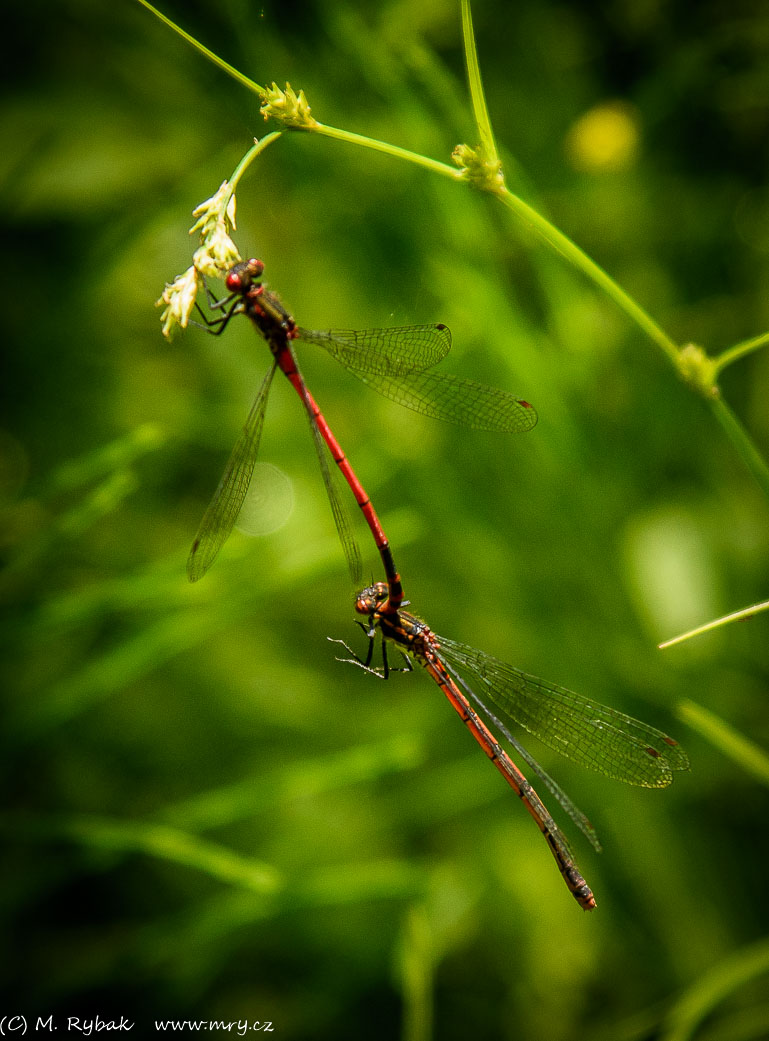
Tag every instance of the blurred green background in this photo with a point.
(207, 815)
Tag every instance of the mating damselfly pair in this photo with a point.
(398, 363)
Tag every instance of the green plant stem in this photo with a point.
(156, 840)
(568, 249)
(750, 756)
(737, 434)
(740, 350)
(735, 616)
(741, 441)
(417, 975)
(726, 978)
(220, 62)
(551, 235)
(257, 148)
(480, 110)
(387, 149)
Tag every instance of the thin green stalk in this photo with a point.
(726, 978)
(750, 756)
(551, 235)
(690, 362)
(568, 249)
(417, 975)
(740, 350)
(735, 616)
(741, 441)
(156, 840)
(546, 231)
(220, 62)
(387, 149)
(480, 111)
(257, 148)
(311, 125)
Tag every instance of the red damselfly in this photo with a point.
(583, 730)
(394, 362)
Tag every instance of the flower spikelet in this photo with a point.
(216, 216)
(288, 107)
(179, 298)
(478, 169)
(214, 258)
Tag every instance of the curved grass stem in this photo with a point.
(387, 149)
(742, 441)
(735, 616)
(746, 753)
(580, 260)
(740, 350)
(249, 84)
(257, 148)
(477, 96)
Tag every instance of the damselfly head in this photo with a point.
(371, 598)
(241, 276)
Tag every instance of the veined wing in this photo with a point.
(219, 519)
(331, 480)
(387, 352)
(591, 734)
(394, 362)
(573, 811)
(454, 399)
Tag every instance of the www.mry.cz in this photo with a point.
(240, 1026)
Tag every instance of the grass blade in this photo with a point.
(753, 759)
(481, 113)
(735, 616)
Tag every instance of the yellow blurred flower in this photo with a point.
(605, 138)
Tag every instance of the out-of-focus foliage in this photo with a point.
(206, 815)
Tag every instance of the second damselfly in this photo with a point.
(585, 731)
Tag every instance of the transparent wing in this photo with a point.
(394, 362)
(331, 480)
(573, 811)
(583, 730)
(456, 400)
(219, 519)
(394, 352)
